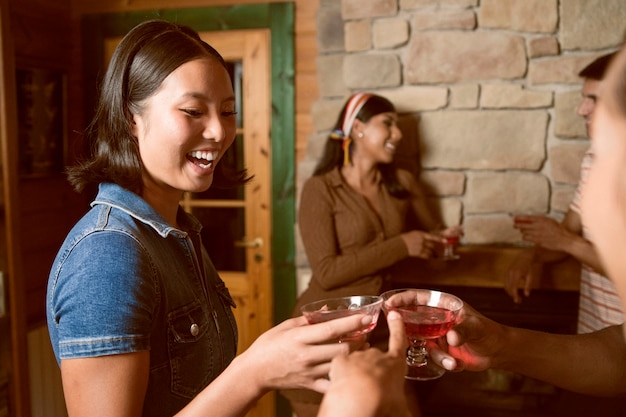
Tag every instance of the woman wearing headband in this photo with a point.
(354, 209)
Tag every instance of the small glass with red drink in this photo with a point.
(450, 240)
(427, 315)
(334, 308)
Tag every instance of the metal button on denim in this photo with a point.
(194, 329)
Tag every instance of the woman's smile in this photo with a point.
(203, 159)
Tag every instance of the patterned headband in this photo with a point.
(353, 107)
(355, 103)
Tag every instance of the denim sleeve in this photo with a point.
(102, 296)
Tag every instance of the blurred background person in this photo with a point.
(599, 305)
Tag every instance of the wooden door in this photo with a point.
(237, 225)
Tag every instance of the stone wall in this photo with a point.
(491, 86)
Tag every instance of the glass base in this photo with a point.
(425, 372)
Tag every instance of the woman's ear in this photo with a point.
(357, 128)
(133, 125)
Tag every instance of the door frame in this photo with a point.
(279, 19)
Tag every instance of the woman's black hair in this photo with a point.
(144, 58)
(333, 155)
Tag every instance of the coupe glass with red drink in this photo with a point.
(334, 308)
(427, 314)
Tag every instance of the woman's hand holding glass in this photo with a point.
(421, 244)
(450, 239)
(334, 308)
(296, 354)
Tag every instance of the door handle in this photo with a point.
(250, 244)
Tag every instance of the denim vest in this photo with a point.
(125, 281)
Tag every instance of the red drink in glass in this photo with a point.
(426, 314)
(426, 322)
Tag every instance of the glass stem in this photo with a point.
(416, 355)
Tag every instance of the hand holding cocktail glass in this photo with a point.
(427, 314)
(451, 239)
(334, 308)
(544, 231)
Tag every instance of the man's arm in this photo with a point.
(555, 241)
(580, 248)
(593, 363)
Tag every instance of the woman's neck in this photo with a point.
(361, 176)
(166, 203)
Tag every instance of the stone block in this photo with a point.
(511, 192)
(358, 35)
(444, 19)
(464, 96)
(411, 99)
(567, 123)
(562, 196)
(519, 15)
(543, 46)
(368, 71)
(449, 57)
(561, 69)
(443, 183)
(390, 33)
(329, 29)
(325, 113)
(485, 140)
(330, 82)
(592, 24)
(451, 211)
(565, 162)
(499, 96)
(359, 9)
(486, 229)
(416, 4)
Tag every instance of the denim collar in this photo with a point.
(113, 195)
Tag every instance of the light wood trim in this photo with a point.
(252, 290)
(189, 202)
(99, 6)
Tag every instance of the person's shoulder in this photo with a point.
(322, 187)
(330, 178)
